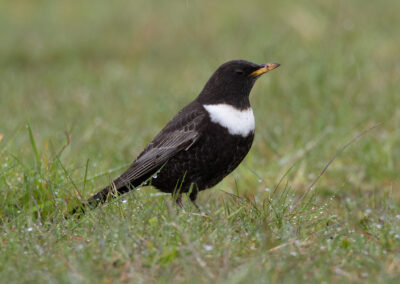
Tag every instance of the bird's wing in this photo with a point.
(178, 135)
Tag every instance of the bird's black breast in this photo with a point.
(216, 154)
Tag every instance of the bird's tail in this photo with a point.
(116, 188)
(99, 198)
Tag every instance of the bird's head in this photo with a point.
(232, 82)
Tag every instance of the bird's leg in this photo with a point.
(192, 197)
(178, 200)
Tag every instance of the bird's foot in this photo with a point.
(195, 205)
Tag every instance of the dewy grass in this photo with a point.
(117, 73)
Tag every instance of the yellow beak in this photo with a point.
(264, 69)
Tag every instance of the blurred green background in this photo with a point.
(111, 74)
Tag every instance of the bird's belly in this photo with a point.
(206, 163)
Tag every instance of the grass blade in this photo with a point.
(34, 147)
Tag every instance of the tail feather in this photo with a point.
(119, 186)
(99, 198)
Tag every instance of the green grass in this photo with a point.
(86, 84)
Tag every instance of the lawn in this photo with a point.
(86, 84)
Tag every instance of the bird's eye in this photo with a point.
(239, 71)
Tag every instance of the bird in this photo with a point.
(204, 142)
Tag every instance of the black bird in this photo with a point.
(202, 144)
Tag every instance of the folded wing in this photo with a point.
(180, 134)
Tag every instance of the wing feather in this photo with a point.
(179, 135)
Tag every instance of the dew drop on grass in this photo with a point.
(208, 247)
